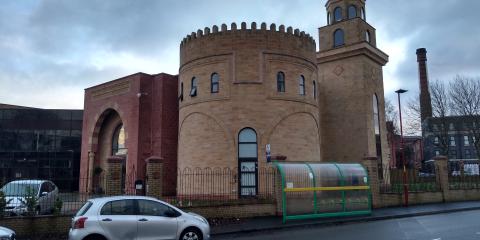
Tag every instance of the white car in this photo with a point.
(15, 192)
(6, 234)
(136, 217)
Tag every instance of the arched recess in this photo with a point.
(296, 137)
(108, 128)
(203, 142)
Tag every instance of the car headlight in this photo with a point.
(201, 219)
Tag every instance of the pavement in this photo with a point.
(275, 223)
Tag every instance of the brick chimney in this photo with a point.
(425, 100)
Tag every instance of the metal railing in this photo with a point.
(195, 187)
(463, 175)
(417, 180)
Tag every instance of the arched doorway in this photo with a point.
(111, 142)
(247, 162)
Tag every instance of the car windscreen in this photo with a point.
(84, 209)
(20, 189)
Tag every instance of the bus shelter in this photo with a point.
(316, 190)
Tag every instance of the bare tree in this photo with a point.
(440, 110)
(391, 115)
(413, 125)
(465, 102)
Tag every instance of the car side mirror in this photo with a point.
(43, 194)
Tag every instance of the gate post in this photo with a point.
(370, 164)
(154, 179)
(441, 167)
(114, 175)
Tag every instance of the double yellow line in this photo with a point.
(311, 189)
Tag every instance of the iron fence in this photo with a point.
(195, 187)
(417, 180)
(463, 175)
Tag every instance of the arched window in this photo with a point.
(338, 38)
(328, 18)
(363, 14)
(301, 85)
(337, 14)
(193, 89)
(376, 127)
(118, 141)
(314, 89)
(367, 36)
(352, 12)
(248, 158)
(181, 92)
(214, 79)
(280, 82)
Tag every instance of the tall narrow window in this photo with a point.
(301, 85)
(376, 127)
(466, 141)
(193, 89)
(363, 14)
(337, 14)
(329, 16)
(181, 92)
(214, 79)
(352, 12)
(314, 89)
(280, 82)
(435, 141)
(248, 158)
(367, 36)
(338, 38)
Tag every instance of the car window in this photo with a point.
(119, 207)
(44, 188)
(84, 209)
(152, 208)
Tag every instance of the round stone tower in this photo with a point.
(243, 88)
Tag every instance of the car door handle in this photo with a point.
(142, 219)
(107, 220)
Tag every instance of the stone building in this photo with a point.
(243, 88)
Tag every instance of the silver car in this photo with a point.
(16, 192)
(6, 234)
(136, 217)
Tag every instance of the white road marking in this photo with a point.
(437, 239)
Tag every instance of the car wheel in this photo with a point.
(95, 237)
(191, 234)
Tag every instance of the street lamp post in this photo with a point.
(405, 185)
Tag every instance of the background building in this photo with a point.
(40, 144)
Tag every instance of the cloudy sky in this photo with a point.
(51, 50)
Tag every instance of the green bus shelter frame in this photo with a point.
(315, 189)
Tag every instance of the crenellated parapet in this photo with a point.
(221, 39)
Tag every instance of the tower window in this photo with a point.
(352, 12)
(337, 14)
(367, 36)
(314, 89)
(363, 14)
(301, 84)
(328, 18)
(181, 92)
(280, 82)
(214, 83)
(338, 38)
(193, 89)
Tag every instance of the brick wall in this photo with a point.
(38, 227)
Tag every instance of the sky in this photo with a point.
(51, 50)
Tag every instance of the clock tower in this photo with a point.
(351, 96)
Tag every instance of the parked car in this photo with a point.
(136, 217)
(6, 234)
(16, 193)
